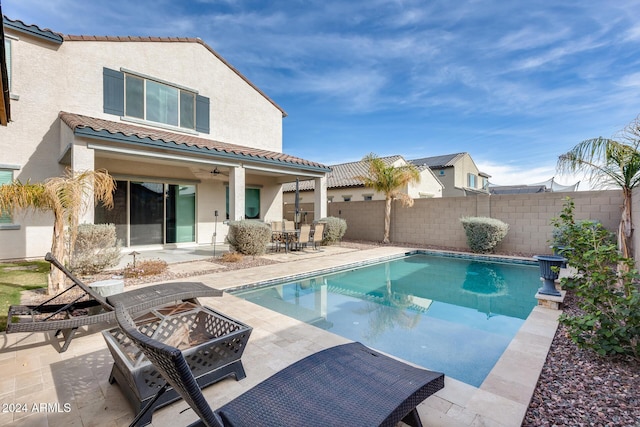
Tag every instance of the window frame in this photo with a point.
(7, 220)
(8, 48)
(180, 109)
(471, 180)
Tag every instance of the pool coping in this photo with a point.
(504, 396)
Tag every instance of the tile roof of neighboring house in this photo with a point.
(443, 161)
(123, 132)
(341, 175)
(59, 38)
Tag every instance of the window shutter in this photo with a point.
(202, 114)
(113, 88)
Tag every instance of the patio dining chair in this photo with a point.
(348, 385)
(317, 234)
(304, 237)
(276, 234)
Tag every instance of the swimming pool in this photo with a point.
(450, 314)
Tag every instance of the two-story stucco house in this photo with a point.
(457, 172)
(183, 132)
(344, 186)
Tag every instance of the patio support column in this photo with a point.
(236, 193)
(320, 198)
(83, 159)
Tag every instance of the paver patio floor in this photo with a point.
(41, 387)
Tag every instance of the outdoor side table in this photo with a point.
(211, 342)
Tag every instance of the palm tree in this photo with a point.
(611, 163)
(67, 197)
(389, 179)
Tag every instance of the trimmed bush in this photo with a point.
(249, 237)
(334, 229)
(96, 249)
(483, 233)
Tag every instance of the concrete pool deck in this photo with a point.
(75, 384)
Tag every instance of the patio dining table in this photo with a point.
(287, 237)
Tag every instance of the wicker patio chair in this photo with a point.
(87, 307)
(348, 385)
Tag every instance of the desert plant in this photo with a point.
(232, 257)
(96, 248)
(611, 163)
(147, 267)
(334, 229)
(249, 237)
(66, 197)
(389, 180)
(606, 288)
(483, 233)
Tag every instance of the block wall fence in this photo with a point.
(437, 221)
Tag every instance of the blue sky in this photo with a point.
(514, 83)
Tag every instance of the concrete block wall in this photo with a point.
(437, 221)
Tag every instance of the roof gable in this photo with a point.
(58, 38)
(443, 161)
(142, 39)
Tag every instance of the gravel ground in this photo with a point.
(576, 387)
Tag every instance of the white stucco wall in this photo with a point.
(48, 78)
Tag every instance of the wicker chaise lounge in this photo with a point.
(88, 307)
(346, 385)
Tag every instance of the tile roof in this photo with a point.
(33, 30)
(123, 132)
(341, 175)
(442, 161)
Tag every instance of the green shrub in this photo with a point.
(96, 248)
(249, 237)
(606, 286)
(483, 234)
(334, 229)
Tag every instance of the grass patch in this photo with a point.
(16, 277)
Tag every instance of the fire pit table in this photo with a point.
(211, 342)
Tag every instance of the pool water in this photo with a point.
(454, 315)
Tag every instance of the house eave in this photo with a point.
(104, 135)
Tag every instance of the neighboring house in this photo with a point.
(458, 173)
(190, 140)
(5, 108)
(343, 186)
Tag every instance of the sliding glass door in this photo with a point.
(148, 213)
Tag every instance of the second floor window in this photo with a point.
(157, 102)
(138, 97)
(472, 181)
